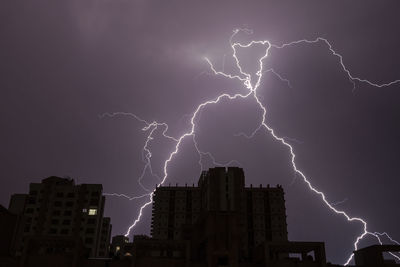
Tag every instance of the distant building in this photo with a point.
(57, 207)
(105, 235)
(260, 210)
(220, 222)
(372, 256)
(8, 226)
(18, 203)
(118, 244)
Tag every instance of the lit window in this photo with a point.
(84, 210)
(117, 249)
(92, 211)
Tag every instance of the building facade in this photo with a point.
(57, 207)
(220, 200)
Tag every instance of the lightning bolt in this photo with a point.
(251, 84)
(125, 196)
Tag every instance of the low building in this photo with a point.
(373, 256)
(8, 227)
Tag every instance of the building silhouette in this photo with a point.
(57, 209)
(218, 222)
(259, 211)
(373, 256)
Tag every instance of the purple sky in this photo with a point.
(63, 63)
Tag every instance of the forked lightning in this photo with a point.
(251, 84)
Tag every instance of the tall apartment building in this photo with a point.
(57, 207)
(258, 213)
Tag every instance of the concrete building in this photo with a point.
(57, 207)
(8, 225)
(260, 210)
(105, 235)
(118, 244)
(373, 256)
(221, 222)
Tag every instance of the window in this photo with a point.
(56, 212)
(90, 231)
(66, 222)
(30, 210)
(92, 211)
(57, 203)
(70, 195)
(84, 210)
(69, 204)
(59, 194)
(91, 221)
(68, 212)
(89, 240)
(222, 261)
(64, 231)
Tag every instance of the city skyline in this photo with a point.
(218, 222)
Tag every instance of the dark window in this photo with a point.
(94, 201)
(57, 203)
(64, 231)
(30, 210)
(27, 228)
(91, 221)
(90, 230)
(66, 222)
(33, 192)
(95, 194)
(59, 194)
(32, 200)
(56, 212)
(68, 212)
(70, 195)
(88, 240)
(69, 204)
(54, 221)
(52, 231)
(222, 261)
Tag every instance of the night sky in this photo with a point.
(64, 63)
